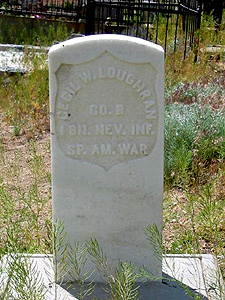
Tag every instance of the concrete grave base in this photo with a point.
(183, 275)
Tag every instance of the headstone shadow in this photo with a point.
(168, 289)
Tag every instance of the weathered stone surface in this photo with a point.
(107, 142)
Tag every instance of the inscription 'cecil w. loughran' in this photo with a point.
(108, 111)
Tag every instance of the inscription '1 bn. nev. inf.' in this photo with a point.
(106, 110)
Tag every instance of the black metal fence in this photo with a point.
(170, 23)
(215, 7)
(70, 9)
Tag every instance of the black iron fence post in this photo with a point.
(90, 18)
(215, 7)
(218, 12)
(197, 33)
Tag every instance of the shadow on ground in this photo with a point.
(168, 289)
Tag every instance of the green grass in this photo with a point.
(27, 31)
(22, 205)
(25, 98)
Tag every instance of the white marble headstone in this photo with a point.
(106, 94)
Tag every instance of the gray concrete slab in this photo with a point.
(184, 277)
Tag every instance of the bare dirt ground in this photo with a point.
(18, 168)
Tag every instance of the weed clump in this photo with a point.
(194, 140)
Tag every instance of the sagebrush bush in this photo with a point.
(192, 92)
(194, 136)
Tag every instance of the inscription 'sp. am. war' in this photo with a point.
(106, 110)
